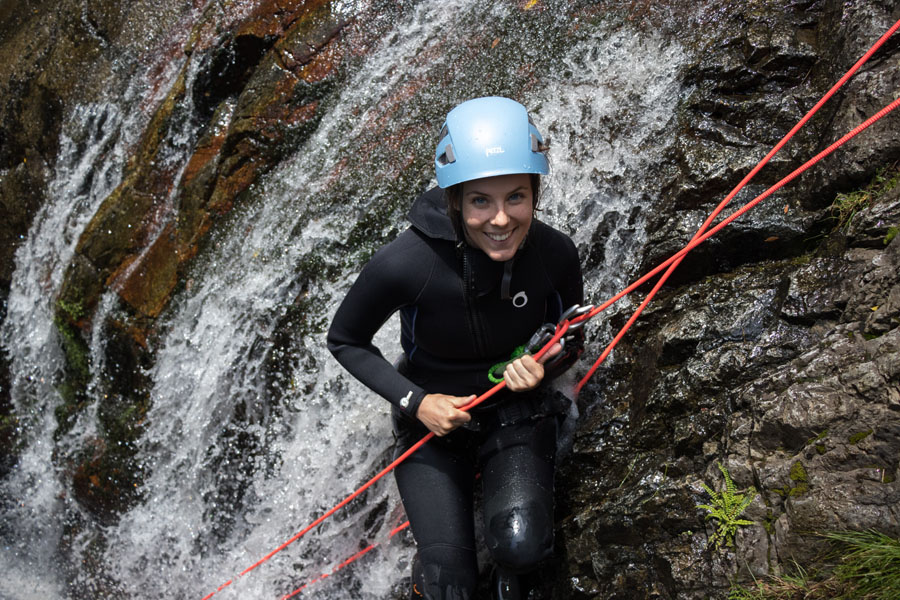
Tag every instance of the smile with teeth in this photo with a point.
(499, 237)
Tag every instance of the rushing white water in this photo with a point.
(214, 424)
(29, 337)
(608, 108)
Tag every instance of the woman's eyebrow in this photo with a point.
(518, 189)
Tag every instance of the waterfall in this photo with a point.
(234, 469)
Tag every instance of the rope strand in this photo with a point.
(670, 265)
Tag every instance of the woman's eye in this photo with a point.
(479, 201)
(517, 197)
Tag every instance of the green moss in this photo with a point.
(858, 437)
(891, 234)
(802, 260)
(798, 490)
(76, 374)
(818, 437)
(800, 479)
(73, 310)
(846, 206)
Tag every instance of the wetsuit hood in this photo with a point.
(429, 215)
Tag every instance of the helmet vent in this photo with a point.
(447, 157)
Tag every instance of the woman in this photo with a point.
(473, 278)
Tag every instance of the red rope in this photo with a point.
(347, 562)
(671, 263)
(674, 261)
(699, 239)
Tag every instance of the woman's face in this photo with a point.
(497, 213)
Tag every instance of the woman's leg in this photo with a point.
(436, 485)
(518, 464)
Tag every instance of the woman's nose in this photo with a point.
(500, 217)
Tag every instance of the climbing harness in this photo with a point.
(577, 316)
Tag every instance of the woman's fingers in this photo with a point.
(441, 413)
(523, 374)
(553, 351)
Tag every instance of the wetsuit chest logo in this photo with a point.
(520, 299)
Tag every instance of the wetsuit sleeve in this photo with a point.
(392, 279)
(569, 281)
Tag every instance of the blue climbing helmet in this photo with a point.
(485, 137)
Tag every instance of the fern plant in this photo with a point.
(726, 507)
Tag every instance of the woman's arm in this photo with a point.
(391, 280)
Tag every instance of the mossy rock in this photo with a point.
(859, 436)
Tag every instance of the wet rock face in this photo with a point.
(773, 352)
(755, 73)
(45, 51)
(787, 373)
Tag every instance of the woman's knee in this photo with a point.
(520, 537)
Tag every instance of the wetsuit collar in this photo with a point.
(429, 215)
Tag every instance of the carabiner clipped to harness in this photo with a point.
(574, 333)
(546, 331)
(571, 342)
(540, 338)
(573, 312)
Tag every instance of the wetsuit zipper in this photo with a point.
(475, 325)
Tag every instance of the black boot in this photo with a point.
(505, 585)
(417, 580)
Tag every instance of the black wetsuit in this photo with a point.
(462, 313)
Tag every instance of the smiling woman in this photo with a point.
(473, 278)
(496, 213)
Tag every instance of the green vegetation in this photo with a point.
(800, 479)
(871, 563)
(891, 234)
(858, 437)
(77, 371)
(846, 206)
(726, 508)
(864, 565)
(818, 442)
(73, 310)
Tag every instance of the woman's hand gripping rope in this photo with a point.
(442, 413)
(528, 371)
